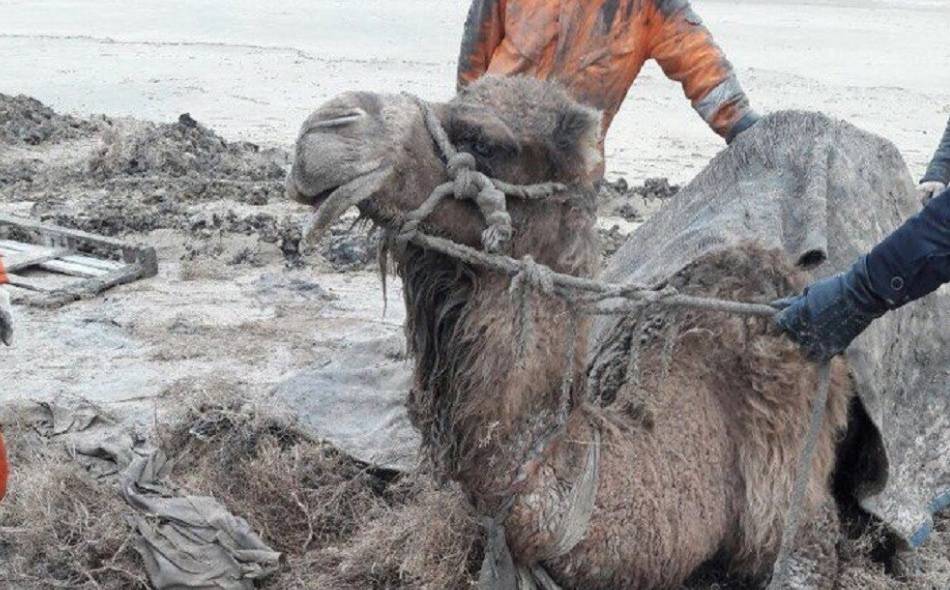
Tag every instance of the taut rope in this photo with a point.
(489, 195)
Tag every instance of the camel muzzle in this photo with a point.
(332, 203)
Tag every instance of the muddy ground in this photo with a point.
(235, 310)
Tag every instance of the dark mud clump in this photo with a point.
(349, 250)
(634, 203)
(25, 120)
(188, 150)
(611, 240)
(118, 176)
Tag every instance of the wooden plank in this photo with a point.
(89, 287)
(99, 274)
(28, 284)
(12, 246)
(27, 259)
(75, 239)
(12, 250)
(73, 270)
(100, 263)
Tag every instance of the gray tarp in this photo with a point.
(821, 189)
(190, 542)
(356, 402)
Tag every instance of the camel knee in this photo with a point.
(813, 562)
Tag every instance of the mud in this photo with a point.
(121, 176)
(25, 120)
(622, 208)
(637, 202)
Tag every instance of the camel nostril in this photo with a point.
(338, 118)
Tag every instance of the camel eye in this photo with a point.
(482, 149)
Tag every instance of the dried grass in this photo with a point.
(59, 528)
(341, 524)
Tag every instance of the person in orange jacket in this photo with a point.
(596, 48)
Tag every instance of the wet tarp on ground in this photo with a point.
(356, 402)
(825, 192)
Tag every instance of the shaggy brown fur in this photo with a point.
(700, 442)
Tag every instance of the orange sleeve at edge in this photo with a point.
(484, 31)
(687, 53)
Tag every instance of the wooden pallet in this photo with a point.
(55, 265)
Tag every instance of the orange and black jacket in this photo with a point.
(597, 47)
(3, 273)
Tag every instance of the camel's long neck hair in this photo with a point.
(438, 292)
(480, 398)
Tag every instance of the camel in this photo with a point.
(695, 462)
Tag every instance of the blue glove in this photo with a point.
(910, 263)
(831, 313)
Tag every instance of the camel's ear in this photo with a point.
(577, 133)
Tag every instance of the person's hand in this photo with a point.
(929, 190)
(6, 318)
(824, 319)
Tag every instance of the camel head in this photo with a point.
(375, 152)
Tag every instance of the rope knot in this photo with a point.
(467, 181)
(533, 275)
(491, 202)
(460, 161)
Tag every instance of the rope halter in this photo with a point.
(468, 184)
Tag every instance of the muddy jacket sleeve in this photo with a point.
(939, 169)
(686, 52)
(484, 30)
(909, 264)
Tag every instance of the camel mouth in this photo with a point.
(316, 201)
(331, 203)
(311, 199)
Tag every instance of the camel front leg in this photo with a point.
(813, 562)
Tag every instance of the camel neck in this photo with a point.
(490, 371)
